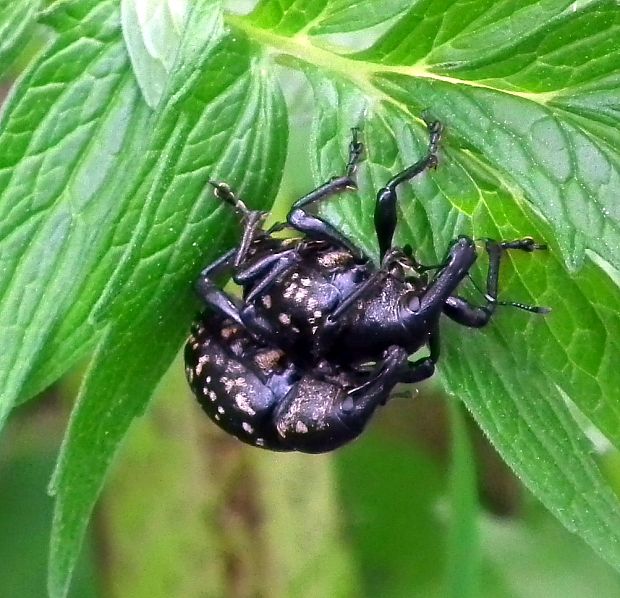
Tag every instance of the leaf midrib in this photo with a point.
(301, 47)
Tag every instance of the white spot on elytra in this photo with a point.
(260, 442)
(301, 428)
(247, 427)
(266, 301)
(300, 295)
(201, 361)
(220, 409)
(312, 303)
(305, 282)
(284, 319)
(290, 290)
(208, 380)
(212, 395)
(317, 313)
(244, 404)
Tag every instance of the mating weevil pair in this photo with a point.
(322, 335)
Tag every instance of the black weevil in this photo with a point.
(256, 393)
(323, 305)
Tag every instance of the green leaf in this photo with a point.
(55, 224)
(119, 243)
(322, 17)
(343, 16)
(517, 365)
(17, 21)
(507, 79)
(152, 32)
(514, 162)
(145, 278)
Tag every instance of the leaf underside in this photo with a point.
(111, 134)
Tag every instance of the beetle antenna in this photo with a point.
(224, 192)
(535, 309)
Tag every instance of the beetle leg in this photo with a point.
(211, 294)
(220, 300)
(252, 221)
(418, 370)
(475, 316)
(423, 368)
(495, 250)
(362, 401)
(466, 314)
(356, 149)
(265, 271)
(224, 192)
(206, 288)
(314, 226)
(385, 206)
(224, 304)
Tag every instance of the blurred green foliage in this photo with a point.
(189, 513)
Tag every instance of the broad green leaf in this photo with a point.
(287, 17)
(152, 32)
(17, 21)
(342, 16)
(512, 153)
(517, 365)
(518, 87)
(318, 18)
(54, 223)
(144, 279)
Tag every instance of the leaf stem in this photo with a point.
(361, 73)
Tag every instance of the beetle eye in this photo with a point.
(412, 301)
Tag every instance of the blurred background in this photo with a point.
(190, 512)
